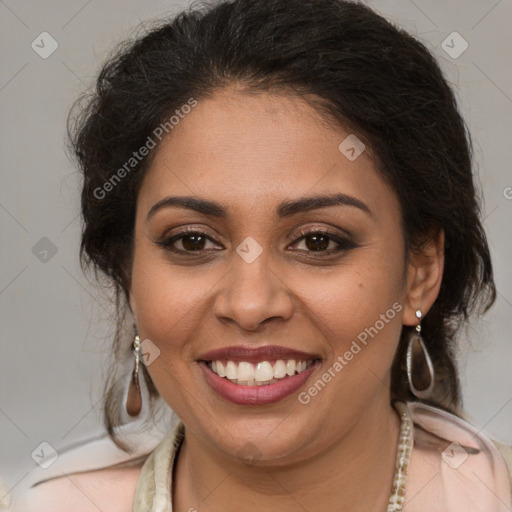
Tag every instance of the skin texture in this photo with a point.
(250, 153)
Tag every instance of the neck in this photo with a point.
(355, 473)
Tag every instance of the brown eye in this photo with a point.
(324, 242)
(317, 242)
(193, 242)
(190, 241)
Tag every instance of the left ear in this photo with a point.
(424, 276)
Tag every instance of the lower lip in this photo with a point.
(256, 395)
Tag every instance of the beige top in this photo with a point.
(453, 468)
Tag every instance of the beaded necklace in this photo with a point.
(153, 489)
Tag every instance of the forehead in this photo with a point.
(249, 150)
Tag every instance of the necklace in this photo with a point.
(153, 487)
(403, 456)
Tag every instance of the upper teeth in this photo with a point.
(260, 373)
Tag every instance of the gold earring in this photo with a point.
(134, 398)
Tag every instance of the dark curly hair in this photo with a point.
(359, 70)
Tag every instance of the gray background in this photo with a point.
(54, 326)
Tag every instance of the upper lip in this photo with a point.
(240, 353)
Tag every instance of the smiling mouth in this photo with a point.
(261, 373)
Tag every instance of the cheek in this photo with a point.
(165, 303)
(164, 297)
(360, 305)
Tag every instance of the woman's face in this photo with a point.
(252, 280)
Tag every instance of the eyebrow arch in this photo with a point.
(192, 203)
(289, 208)
(285, 209)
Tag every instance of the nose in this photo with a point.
(252, 294)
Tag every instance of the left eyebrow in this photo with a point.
(284, 210)
(304, 204)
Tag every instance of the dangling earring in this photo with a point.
(134, 398)
(415, 347)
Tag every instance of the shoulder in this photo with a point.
(455, 465)
(94, 474)
(111, 489)
(506, 452)
(446, 427)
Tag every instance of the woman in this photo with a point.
(281, 193)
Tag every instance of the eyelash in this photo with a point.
(344, 243)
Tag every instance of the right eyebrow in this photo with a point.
(192, 203)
